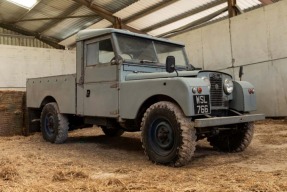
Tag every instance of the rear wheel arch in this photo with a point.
(34, 115)
(46, 100)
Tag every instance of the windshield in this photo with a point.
(146, 51)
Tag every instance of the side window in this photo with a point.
(92, 56)
(106, 52)
(99, 52)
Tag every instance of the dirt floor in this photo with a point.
(90, 161)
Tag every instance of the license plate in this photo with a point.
(201, 104)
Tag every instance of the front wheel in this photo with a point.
(233, 140)
(168, 137)
(54, 125)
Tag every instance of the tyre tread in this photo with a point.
(63, 123)
(188, 133)
(244, 142)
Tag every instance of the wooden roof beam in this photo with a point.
(116, 21)
(232, 10)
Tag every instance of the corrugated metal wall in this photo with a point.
(255, 40)
(8, 37)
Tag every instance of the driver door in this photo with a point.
(101, 78)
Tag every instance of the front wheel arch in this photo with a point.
(149, 102)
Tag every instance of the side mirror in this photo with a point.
(116, 60)
(170, 64)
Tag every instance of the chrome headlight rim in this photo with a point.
(228, 86)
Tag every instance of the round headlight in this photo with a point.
(206, 79)
(228, 86)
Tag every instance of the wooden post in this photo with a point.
(232, 8)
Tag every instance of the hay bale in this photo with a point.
(12, 107)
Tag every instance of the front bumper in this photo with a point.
(218, 121)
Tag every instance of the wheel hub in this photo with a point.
(49, 124)
(163, 135)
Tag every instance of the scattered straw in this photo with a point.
(8, 173)
(69, 175)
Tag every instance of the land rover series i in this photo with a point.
(133, 82)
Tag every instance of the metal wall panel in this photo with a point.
(18, 63)
(258, 42)
(276, 17)
(193, 43)
(216, 37)
(8, 37)
(249, 38)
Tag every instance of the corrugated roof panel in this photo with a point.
(83, 10)
(245, 4)
(44, 9)
(170, 11)
(32, 25)
(136, 7)
(187, 20)
(10, 11)
(82, 23)
(101, 24)
(63, 28)
(69, 26)
(121, 8)
(50, 8)
(113, 6)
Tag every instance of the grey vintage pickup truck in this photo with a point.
(132, 82)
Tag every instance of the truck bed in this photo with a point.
(61, 88)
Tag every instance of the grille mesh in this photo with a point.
(216, 90)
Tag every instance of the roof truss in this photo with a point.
(50, 41)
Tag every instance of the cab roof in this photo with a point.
(90, 33)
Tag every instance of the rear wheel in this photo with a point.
(233, 140)
(54, 125)
(168, 137)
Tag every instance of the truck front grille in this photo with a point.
(216, 90)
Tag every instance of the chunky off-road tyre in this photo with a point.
(233, 140)
(168, 137)
(112, 131)
(54, 125)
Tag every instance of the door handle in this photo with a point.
(88, 93)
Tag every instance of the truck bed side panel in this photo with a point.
(62, 88)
